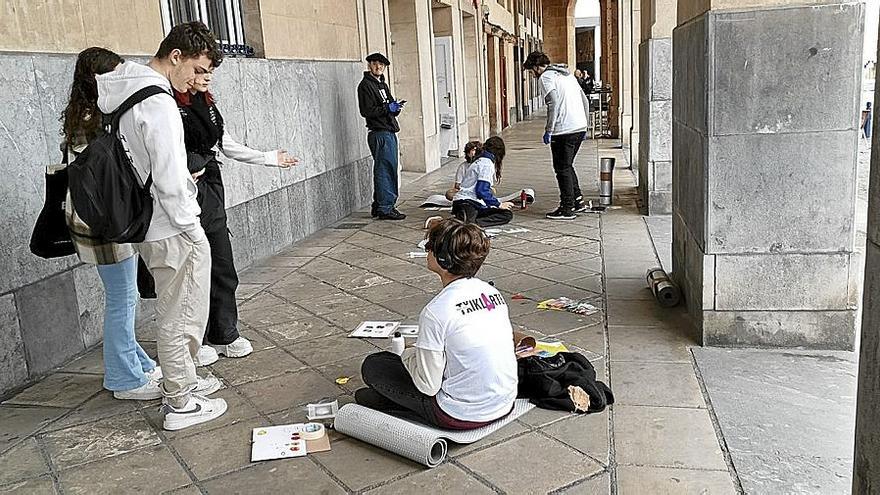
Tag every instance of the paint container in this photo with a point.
(397, 343)
(666, 293)
(606, 186)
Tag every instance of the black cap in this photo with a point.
(378, 57)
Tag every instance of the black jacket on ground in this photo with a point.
(373, 99)
(545, 382)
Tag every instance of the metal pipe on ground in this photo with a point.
(666, 292)
(606, 186)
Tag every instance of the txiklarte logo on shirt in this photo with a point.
(483, 302)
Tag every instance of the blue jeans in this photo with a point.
(383, 146)
(125, 362)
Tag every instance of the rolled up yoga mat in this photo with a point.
(410, 440)
(666, 293)
(420, 443)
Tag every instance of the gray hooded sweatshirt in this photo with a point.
(152, 133)
(568, 108)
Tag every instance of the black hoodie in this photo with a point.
(373, 99)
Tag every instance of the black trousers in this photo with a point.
(564, 149)
(469, 212)
(390, 389)
(223, 313)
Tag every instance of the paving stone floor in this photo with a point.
(66, 435)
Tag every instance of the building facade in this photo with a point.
(289, 82)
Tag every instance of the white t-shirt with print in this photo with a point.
(481, 169)
(469, 321)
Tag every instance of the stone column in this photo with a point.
(765, 118)
(412, 59)
(476, 86)
(655, 100)
(866, 461)
(559, 31)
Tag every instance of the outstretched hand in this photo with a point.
(285, 160)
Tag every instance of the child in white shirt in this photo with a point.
(471, 151)
(462, 372)
(475, 202)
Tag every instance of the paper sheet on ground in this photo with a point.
(281, 442)
(375, 329)
(440, 201)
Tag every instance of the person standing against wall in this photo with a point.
(567, 122)
(380, 110)
(175, 249)
(205, 136)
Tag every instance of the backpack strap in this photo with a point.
(139, 96)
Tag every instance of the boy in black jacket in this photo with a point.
(380, 110)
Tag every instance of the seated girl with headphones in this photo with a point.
(475, 202)
(462, 373)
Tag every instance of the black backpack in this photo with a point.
(105, 188)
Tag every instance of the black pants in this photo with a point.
(470, 212)
(390, 389)
(223, 313)
(564, 148)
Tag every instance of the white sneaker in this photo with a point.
(206, 355)
(155, 374)
(208, 385)
(148, 391)
(198, 410)
(239, 348)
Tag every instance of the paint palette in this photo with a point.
(409, 331)
(375, 329)
(277, 442)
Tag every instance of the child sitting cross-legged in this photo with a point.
(462, 372)
(475, 202)
(472, 151)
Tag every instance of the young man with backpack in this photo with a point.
(568, 112)
(174, 248)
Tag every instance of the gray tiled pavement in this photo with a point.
(66, 435)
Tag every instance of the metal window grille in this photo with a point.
(223, 17)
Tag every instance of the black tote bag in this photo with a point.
(50, 238)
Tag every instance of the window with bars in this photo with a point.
(223, 18)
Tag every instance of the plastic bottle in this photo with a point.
(397, 344)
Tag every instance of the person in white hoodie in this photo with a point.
(568, 111)
(175, 249)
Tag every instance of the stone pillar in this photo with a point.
(655, 100)
(559, 31)
(412, 47)
(866, 461)
(631, 25)
(475, 84)
(764, 170)
(610, 64)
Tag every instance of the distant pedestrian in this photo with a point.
(567, 122)
(584, 81)
(867, 116)
(379, 108)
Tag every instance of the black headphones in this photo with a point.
(445, 257)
